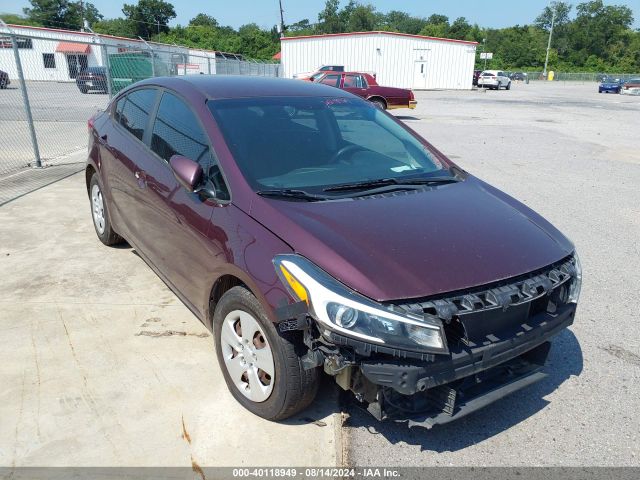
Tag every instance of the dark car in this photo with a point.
(476, 75)
(313, 232)
(365, 85)
(610, 85)
(4, 79)
(518, 76)
(92, 78)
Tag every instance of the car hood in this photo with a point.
(418, 243)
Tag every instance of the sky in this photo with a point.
(488, 13)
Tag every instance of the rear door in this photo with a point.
(124, 155)
(355, 84)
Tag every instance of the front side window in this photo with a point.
(332, 80)
(132, 111)
(176, 131)
(314, 143)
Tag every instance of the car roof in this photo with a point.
(242, 86)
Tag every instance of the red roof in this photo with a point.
(378, 32)
(70, 47)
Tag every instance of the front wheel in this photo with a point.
(508, 86)
(261, 367)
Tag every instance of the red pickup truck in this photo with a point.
(364, 85)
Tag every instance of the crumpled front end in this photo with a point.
(497, 339)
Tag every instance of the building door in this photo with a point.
(420, 74)
(76, 63)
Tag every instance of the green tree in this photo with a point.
(61, 13)
(361, 18)
(203, 20)
(150, 16)
(398, 21)
(15, 19)
(120, 27)
(329, 19)
(459, 29)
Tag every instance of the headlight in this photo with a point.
(342, 310)
(576, 283)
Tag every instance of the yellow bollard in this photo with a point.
(550, 76)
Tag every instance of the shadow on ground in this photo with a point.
(565, 360)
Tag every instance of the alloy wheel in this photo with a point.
(247, 355)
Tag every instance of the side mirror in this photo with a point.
(187, 172)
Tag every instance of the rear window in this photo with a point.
(488, 74)
(96, 70)
(132, 111)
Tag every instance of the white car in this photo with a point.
(494, 79)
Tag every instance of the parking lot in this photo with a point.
(60, 114)
(102, 365)
(573, 156)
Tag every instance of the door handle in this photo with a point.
(141, 178)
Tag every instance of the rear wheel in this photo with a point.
(83, 89)
(100, 214)
(379, 103)
(262, 367)
(508, 86)
(3, 83)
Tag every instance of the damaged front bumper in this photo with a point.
(492, 352)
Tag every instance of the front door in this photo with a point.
(176, 221)
(420, 74)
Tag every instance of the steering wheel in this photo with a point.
(343, 151)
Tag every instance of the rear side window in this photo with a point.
(332, 80)
(353, 81)
(176, 131)
(132, 111)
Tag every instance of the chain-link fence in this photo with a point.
(584, 77)
(54, 81)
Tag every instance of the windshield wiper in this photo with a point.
(382, 182)
(291, 193)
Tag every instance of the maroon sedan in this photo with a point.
(364, 85)
(313, 232)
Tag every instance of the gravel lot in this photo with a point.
(574, 156)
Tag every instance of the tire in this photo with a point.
(379, 103)
(291, 388)
(83, 89)
(3, 84)
(100, 214)
(508, 87)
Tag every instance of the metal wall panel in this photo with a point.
(449, 65)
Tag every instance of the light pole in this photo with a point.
(546, 60)
(484, 51)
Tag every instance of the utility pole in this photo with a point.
(546, 60)
(81, 16)
(281, 19)
(484, 49)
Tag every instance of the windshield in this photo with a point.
(313, 143)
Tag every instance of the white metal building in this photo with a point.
(49, 54)
(397, 59)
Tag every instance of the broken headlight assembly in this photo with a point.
(576, 283)
(337, 308)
